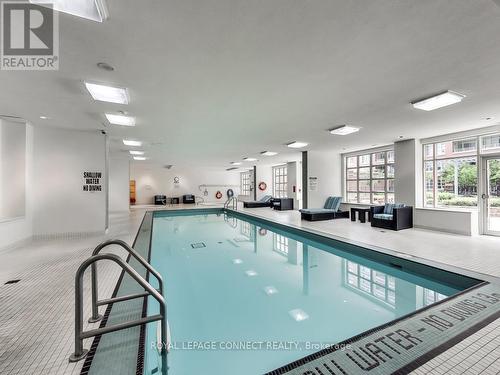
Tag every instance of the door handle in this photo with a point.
(484, 196)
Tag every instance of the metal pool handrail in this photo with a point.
(80, 334)
(234, 202)
(95, 302)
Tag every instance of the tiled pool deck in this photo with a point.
(37, 313)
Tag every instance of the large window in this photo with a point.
(245, 183)
(369, 178)
(451, 174)
(280, 182)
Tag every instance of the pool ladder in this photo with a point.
(233, 201)
(80, 334)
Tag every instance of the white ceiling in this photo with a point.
(213, 81)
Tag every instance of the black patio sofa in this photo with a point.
(392, 216)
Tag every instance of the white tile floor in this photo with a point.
(36, 314)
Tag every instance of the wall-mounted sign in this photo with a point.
(92, 181)
(313, 183)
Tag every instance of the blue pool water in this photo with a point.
(244, 298)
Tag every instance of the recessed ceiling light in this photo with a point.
(249, 159)
(44, 117)
(95, 10)
(109, 94)
(297, 144)
(235, 163)
(343, 130)
(438, 101)
(128, 142)
(251, 273)
(268, 153)
(139, 158)
(134, 152)
(120, 120)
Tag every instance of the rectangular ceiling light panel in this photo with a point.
(109, 94)
(438, 101)
(128, 142)
(120, 120)
(95, 10)
(297, 144)
(344, 130)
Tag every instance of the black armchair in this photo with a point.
(400, 218)
(188, 199)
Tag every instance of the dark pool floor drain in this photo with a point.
(198, 245)
(12, 281)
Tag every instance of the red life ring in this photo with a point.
(262, 186)
(218, 195)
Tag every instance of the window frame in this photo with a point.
(458, 155)
(280, 181)
(371, 179)
(245, 184)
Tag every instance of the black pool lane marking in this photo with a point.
(405, 344)
(198, 245)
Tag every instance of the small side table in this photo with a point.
(283, 204)
(362, 213)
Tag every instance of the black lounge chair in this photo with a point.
(331, 210)
(265, 201)
(392, 216)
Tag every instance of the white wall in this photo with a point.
(327, 167)
(119, 178)
(405, 167)
(19, 229)
(264, 174)
(153, 179)
(294, 179)
(459, 222)
(61, 205)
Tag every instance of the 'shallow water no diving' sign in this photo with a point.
(92, 181)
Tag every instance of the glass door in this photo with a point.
(491, 195)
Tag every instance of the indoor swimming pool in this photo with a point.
(247, 297)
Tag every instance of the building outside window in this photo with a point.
(369, 177)
(451, 173)
(280, 182)
(245, 183)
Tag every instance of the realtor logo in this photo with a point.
(29, 36)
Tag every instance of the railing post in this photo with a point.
(95, 312)
(79, 353)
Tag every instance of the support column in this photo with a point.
(305, 186)
(254, 182)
